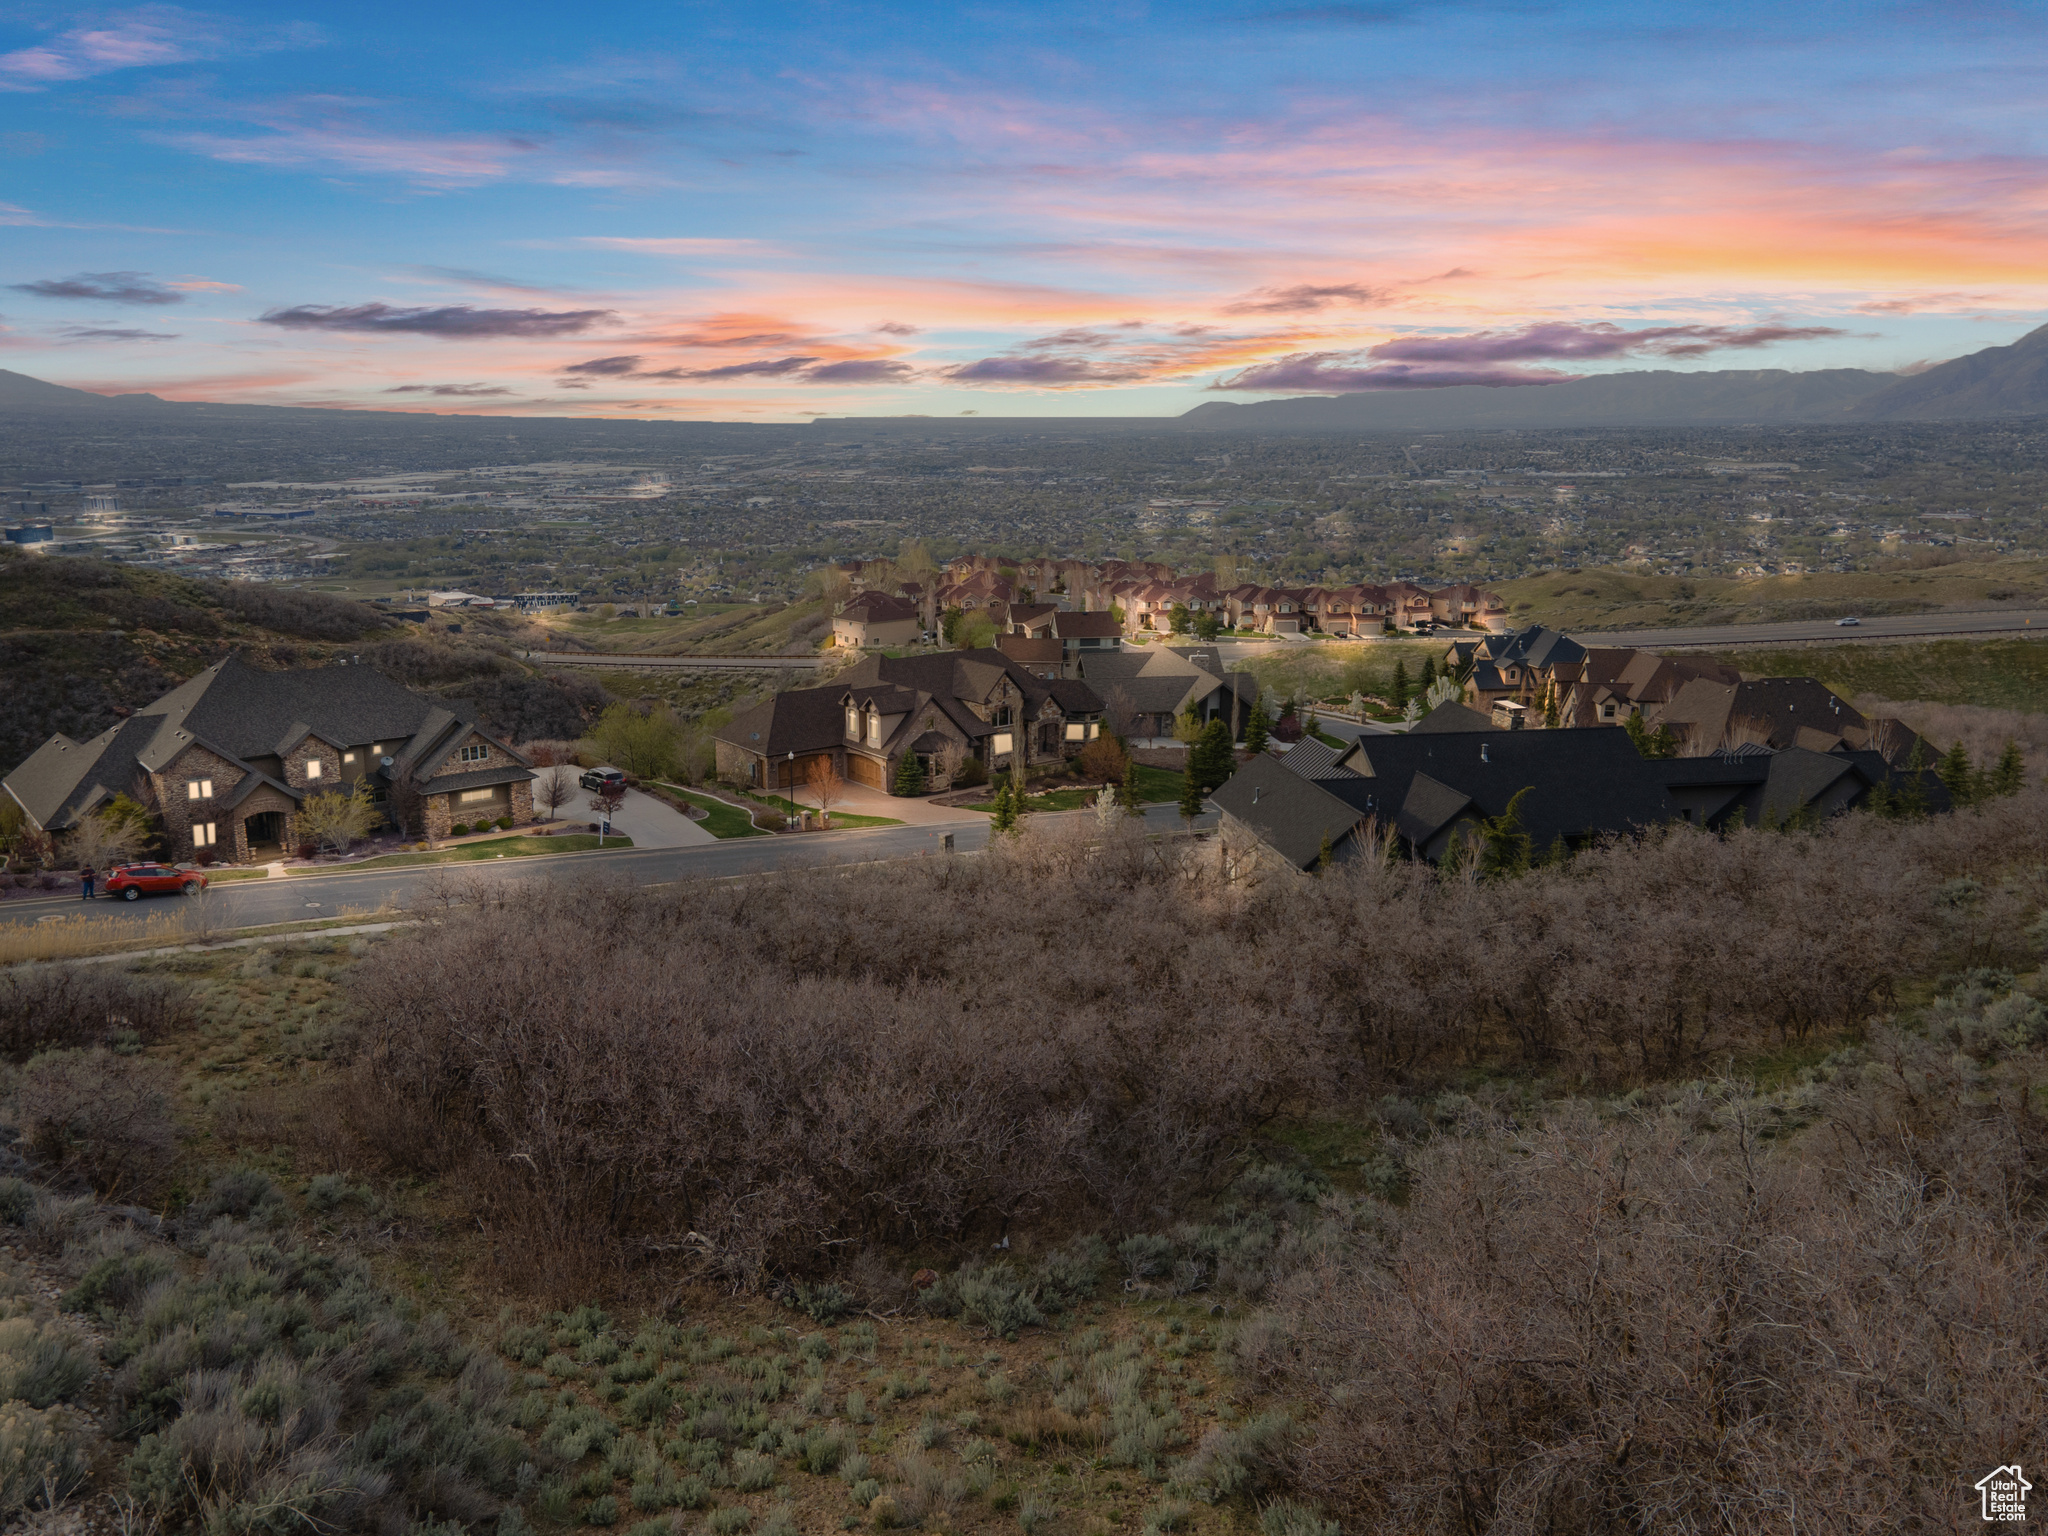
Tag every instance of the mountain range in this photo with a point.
(1998, 382)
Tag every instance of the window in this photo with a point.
(199, 789)
(476, 752)
(999, 743)
(1076, 731)
(313, 768)
(472, 796)
(874, 730)
(202, 834)
(348, 757)
(852, 723)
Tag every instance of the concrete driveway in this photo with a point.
(859, 800)
(651, 823)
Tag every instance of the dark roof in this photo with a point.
(801, 720)
(1582, 782)
(1290, 814)
(877, 607)
(1029, 652)
(1451, 716)
(1074, 696)
(476, 780)
(1086, 626)
(1313, 759)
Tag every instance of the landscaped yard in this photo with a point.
(498, 847)
(840, 819)
(722, 819)
(1155, 786)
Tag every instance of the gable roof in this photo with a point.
(1313, 759)
(1451, 716)
(1099, 625)
(1290, 814)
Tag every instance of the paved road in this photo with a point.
(615, 661)
(299, 898)
(1908, 626)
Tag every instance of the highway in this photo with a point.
(618, 661)
(1909, 626)
(300, 898)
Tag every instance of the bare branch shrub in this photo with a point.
(54, 1007)
(1673, 1323)
(99, 1118)
(1984, 732)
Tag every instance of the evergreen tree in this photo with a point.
(1637, 734)
(1127, 791)
(1190, 793)
(1210, 762)
(1957, 776)
(1663, 743)
(1314, 722)
(1909, 800)
(1558, 854)
(1550, 719)
(1504, 844)
(1005, 819)
(1258, 729)
(909, 775)
(1428, 674)
(2009, 775)
(1398, 694)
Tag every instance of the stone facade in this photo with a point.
(182, 812)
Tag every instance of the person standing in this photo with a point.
(85, 880)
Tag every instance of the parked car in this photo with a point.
(602, 778)
(1845, 623)
(132, 882)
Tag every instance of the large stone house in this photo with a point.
(942, 708)
(229, 758)
(876, 618)
(1146, 691)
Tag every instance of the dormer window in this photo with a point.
(852, 723)
(874, 729)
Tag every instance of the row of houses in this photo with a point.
(1143, 597)
(1536, 677)
(1440, 784)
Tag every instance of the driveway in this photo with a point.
(653, 823)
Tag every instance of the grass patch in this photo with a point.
(841, 820)
(216, 876)
(1998, 674)
(723, 819)
(1334, 672)
(1155, 786)
(514, 847)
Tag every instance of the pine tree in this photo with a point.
(1910, 798)
(909, 775)
(1550, 720)
(1005, 819)
(1209, 760)
(1637, 734)
(1398, 694)
(1956, 775)
(1428, 674)
(2009, 774)
(1258, 729)
(1127, 791)
(1505, 845)
(1191, 796)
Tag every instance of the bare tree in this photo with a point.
(606, 800)
(99, 842)
(406, 805)
(554, 789)
(1119, 711)
(946, 761)
(827, 787)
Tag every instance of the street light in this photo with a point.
(792, 782)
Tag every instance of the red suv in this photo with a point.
(137, 880)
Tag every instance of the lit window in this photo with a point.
(852, 723)
(199, 789)
(475, 753)
(202, 834)
(999, 743)
(471, 796)
(313, 768)
(348, 757)
(1076, 731)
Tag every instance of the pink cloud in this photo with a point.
(1329, 373)
(149, 36)
(1580, 342)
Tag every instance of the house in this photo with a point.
(1045, 658)
(1146, 691)
(1034, 621)
(942, 708)
(876, 618)
(1081, 633)
(1780, 712)
(230, 756)
(1433, 789)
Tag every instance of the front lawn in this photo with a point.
(514, 847)
(840, 819)
(722, 818)
(1155, 786)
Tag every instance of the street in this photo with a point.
(1915, 626)
(301, 898)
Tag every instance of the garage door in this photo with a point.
(864, 770)
(784, 774)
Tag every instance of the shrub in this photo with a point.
(306, 851)
(39, 1365)
(504, 823)
(822, 1303)
(1284, 1518)
(730, 1520)
(42, 1460)
(240, 1193)
(997, 1300)
(459, 829)
(51, 1007)
(1234, 1459)
(100, 1118)
(1103, 760)
(17, 1202)
(751, 1472)
(973, 773)
(604, 1511)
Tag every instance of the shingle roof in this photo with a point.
(1313, 759)
(1451, 716)
(1290, 814)
(1086, 626)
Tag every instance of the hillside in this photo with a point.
(769, 629)
(87, 641)
(1602, 598)
(1998, 381)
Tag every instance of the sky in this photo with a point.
(755, 212)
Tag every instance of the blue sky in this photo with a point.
(766, 212)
